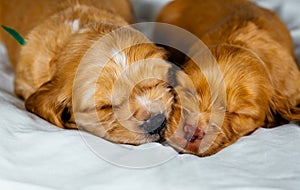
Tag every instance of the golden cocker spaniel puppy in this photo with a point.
(83, 67)
(250, 81)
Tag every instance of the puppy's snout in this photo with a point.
(193, 133)
(155, 124)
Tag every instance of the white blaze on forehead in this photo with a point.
(154, 106)
(120, 58)
(143, 101)
(74, 25)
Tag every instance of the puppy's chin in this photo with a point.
(204, 133)
(201, 138)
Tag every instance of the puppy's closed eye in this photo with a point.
(104, 107)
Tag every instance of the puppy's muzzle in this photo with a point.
(155, 124)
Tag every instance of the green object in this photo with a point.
(15, 35)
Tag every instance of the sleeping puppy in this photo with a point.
(81, 68)
(250, 81)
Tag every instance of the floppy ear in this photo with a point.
(53, 104)
(282, 111)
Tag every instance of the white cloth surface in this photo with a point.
(36, 155)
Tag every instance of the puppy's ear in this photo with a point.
(282, 111)
(52, 104)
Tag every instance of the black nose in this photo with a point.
(155, 124)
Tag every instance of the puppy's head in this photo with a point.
(221, 102)
(116, 88)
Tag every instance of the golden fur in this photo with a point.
(79, 68)
(255, 55)
(25, 15)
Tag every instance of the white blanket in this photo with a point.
(37, 155)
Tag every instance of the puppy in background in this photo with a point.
(60, 34)
(259, 85)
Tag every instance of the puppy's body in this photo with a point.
(80, 61)
(53, 23)
(254, 52)
(25, 15)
